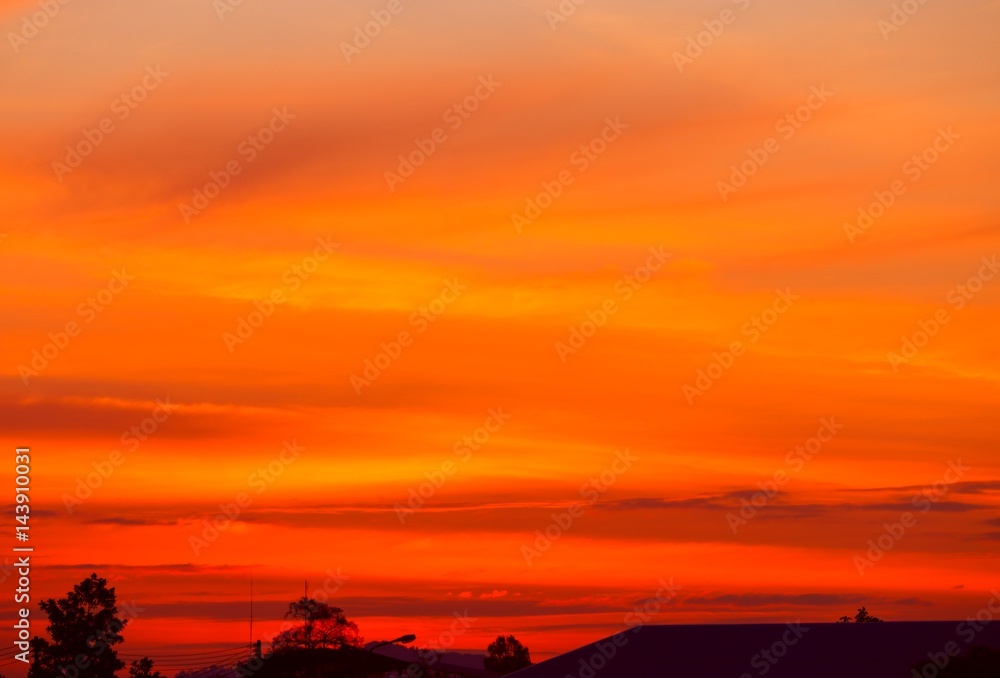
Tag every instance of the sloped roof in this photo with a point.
(880, 650)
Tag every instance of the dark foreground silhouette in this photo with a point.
(882, 650)
(84, 635)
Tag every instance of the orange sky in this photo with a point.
(627, 139)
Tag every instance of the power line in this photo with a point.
(226, 655)
(222, 662)
(196, 662)
(223, 651)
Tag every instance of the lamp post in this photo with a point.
(408, 638)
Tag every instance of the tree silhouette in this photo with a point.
(322, 626)
(84, 628)
(143, 668)
(506, 654)
(862, 617)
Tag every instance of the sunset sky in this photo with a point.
(506, 251)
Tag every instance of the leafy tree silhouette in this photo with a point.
(84, 628)
(323, 626)
(143, 668)
(506, 654)
(862, 617)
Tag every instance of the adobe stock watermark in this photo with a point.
(753, 329)
(795, 460)
(455, 117)
(913, 169)
(924, 500)
(646, 610)
(365, 33)
(258, 481)
(697, 44)
(591, 491)
(640, 615)
(292, 279)
(420, 320)
(463, 449)
(248, 149)
(625, 288)
(224, 7)
(967, 631)
(563, 11)
(332, 585)
(765, 660)
(580, 160)
(957, 298)
(32, 24)
(786, 127)
(100, 641)
(899, 17)
(121, 107)
(446, 639)
(87, 310)
(131, 439)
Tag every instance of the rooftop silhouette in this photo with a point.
(835, 650)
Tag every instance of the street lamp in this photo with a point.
(408, 638)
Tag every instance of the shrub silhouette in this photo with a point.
(143, 668)
(506, 654)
